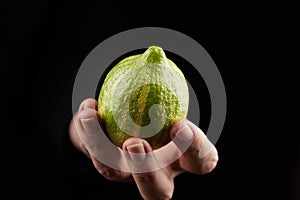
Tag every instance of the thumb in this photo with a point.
(201, 156)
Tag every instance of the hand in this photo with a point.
(201, 156)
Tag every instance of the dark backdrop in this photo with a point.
(45, 43)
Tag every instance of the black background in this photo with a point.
(253, 46)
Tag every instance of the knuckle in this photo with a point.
(107, 172)
(210, 162)
(84, 149)
(168, 195)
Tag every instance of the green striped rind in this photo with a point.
(145, 79)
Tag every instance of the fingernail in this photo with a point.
(90, 125)
(184, 134)
(136, 152)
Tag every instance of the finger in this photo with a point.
(99, 147)
(74, 137)
(156, 184)
(201, 157)
(85, 104)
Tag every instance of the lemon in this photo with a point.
(143, 96)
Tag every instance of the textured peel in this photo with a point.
(143, 96)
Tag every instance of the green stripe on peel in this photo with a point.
(131, 89)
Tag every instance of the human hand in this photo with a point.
(201, 156)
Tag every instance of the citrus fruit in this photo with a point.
(142, 96)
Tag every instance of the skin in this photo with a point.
(154, 184)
